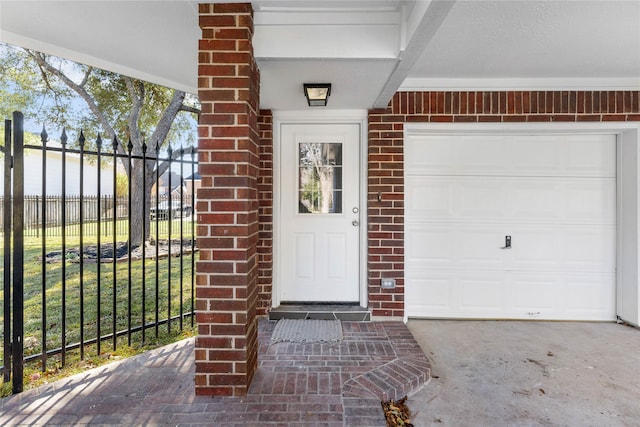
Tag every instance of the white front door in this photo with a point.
(320, 214)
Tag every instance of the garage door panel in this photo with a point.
(555, 195)
(454, 294)
(483, 293)
(590, 155)
(562, 248)
(440, 245)
(477, 247)
(535, 249)
(591, 248)
(532, 156)
(444, 292)
(511, 200)
(534, 295)
(457, 155)
(511, 155)
(429, 198)
(479, 199)
(534, 200)
(431, 246)
(434, 292)
(591, 200)
(573, 296)
(590, 297)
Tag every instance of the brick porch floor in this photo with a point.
(296, 384)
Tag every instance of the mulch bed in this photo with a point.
(397, 413)
(175, 248)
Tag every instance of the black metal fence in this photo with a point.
(71, 278)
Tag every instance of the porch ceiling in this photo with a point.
(367, 49)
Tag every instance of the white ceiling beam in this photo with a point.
(420, 25)
(310, 16)
(326, 41)
(286, 33)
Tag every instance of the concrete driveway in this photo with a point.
(509, 373)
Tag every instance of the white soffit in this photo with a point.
(355, 84)
(544, 45)
(114, 35)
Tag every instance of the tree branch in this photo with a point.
(43, 64)
(164, 165)
(189, 109)
(86, 77)
(136, 92)
(169, 115)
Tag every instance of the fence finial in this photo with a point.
(130, 145)
(144, 147)
(99, 142)
(115, 143)
(81, 139)
(44, 137)
(63, 137)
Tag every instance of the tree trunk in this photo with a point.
(140, 189)
(139, 215)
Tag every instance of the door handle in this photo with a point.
(507, 242)
(355, 223)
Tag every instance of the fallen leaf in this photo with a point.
(397, 414)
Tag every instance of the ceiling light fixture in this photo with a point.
(317, 94)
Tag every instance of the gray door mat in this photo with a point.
(307, 331)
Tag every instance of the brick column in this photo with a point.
(385, 213)
(265, 192)
(228, 153)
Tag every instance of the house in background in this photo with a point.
(484, 154)
(90, 176)
(192, 184)
(171, 182)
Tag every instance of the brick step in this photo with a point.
(345, 312)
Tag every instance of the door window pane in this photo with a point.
(320, 177)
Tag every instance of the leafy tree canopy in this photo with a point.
(61, 93)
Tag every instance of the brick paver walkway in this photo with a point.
(338, 384)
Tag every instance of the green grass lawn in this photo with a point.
(131, 310)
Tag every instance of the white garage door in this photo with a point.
(554, 196)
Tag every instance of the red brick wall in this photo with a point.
(228, 155)
(265, 194)
(386, 126)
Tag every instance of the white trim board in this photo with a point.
(519, 84)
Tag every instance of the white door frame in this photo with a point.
(627, 198)
(280, 118)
